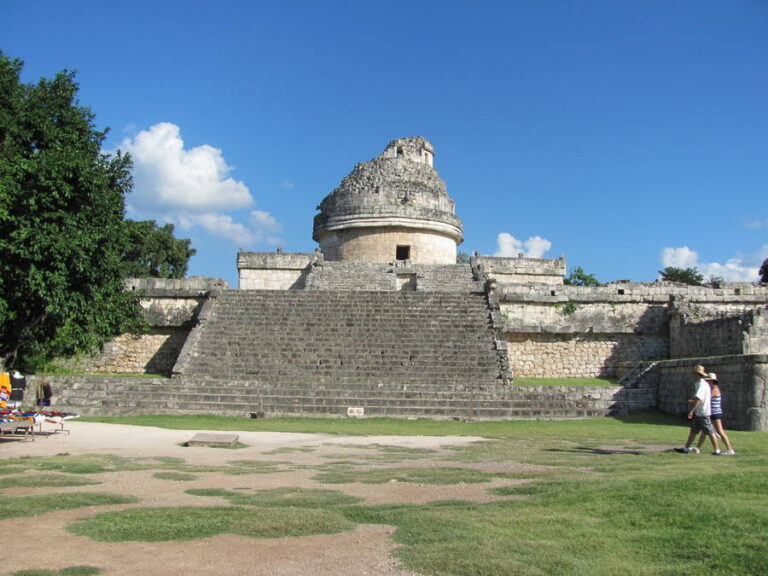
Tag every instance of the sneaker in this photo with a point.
(694, 450)
(718, 453)
(730, 453)
(682, 450)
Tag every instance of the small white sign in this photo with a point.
(355, 411)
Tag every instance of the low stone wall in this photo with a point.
(743, 381)
(520, 270)
(274, 270)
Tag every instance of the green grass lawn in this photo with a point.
(647, 423)
(582, 497)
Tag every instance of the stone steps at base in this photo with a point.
(335, 401)
(150, 407)
(113, 396)
(497, 392)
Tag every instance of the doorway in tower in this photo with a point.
(403, 253)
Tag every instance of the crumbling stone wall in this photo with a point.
(704, 331)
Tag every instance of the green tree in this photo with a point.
(764, 272)
(153, 251)
(715, 281)
(578, 277)
(462, 258)
(61, 222)
(684, 275)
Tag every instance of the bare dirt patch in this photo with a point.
(43, 542)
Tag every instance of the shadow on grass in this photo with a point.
(652, 417)
(596, 451)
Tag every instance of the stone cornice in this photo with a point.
(357, 221)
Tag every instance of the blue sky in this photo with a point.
(626, 136)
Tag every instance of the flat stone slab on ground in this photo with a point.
(223, 440)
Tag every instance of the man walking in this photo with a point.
(699, 414)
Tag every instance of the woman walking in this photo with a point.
(716, 407)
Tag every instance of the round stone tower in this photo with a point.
(394, 207)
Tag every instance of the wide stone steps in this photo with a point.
(487, 401)
(322, 335)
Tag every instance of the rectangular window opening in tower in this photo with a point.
(403, 253)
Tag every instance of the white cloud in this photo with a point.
(192, 188)
(221, 225)
(679, 257)
(511, 247)
(740, 268)
(169, 177)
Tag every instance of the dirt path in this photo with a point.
(43, 542)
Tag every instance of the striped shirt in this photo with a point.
(716, 404)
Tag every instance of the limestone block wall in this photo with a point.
(541, 355)
(165, 310)
(271, 279)
(153, 352)
(380, 245)
(576, 316)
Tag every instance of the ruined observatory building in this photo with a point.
(394, 207)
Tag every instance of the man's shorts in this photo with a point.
(700, 423)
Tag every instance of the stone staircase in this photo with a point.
(136, 396)
(319, 352)
(344, 337)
